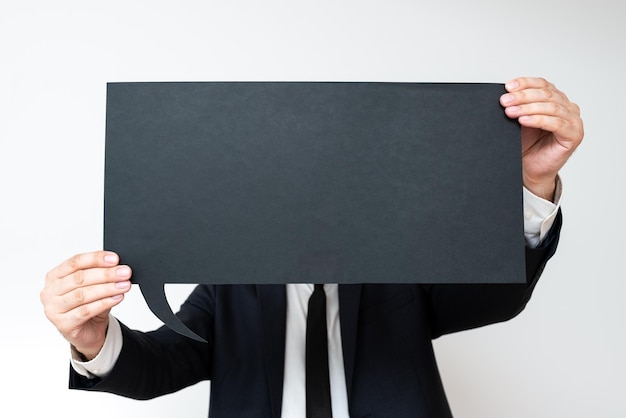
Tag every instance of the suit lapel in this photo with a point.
(349, 300)
(273, 303)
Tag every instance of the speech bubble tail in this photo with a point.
(157, 302)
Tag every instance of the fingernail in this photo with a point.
(117, 297)
(507, 98)
(122, 285)
(110, 258)
(513, 109)
(123, 272)
(511, 85)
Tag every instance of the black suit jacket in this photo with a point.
(386, 331)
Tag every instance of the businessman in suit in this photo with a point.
(379, 336)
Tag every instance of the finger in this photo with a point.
(523, 83)
(566, 133)
(566, 111)
(88, 295)
(82, 262)
(90, 277)
(80, 315)
(76, 308)
(55, 289)
(533, 96)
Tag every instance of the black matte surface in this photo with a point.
(312, 182)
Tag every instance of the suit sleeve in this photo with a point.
(155, 363)
(461, 307)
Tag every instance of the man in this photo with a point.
(380, 352)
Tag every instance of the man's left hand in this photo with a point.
(551, 130)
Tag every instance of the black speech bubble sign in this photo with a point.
(280, 182)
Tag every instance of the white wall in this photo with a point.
(563, 357)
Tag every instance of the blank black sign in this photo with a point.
(279, 182)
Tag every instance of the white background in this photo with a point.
(563, 357)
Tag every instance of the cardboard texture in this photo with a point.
(279, 182)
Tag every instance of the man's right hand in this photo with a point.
(79, 294)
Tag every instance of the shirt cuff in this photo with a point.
(539, 215)
(101, 365)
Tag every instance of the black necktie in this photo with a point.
(317, 380)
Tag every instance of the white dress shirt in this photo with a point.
(539, 216)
